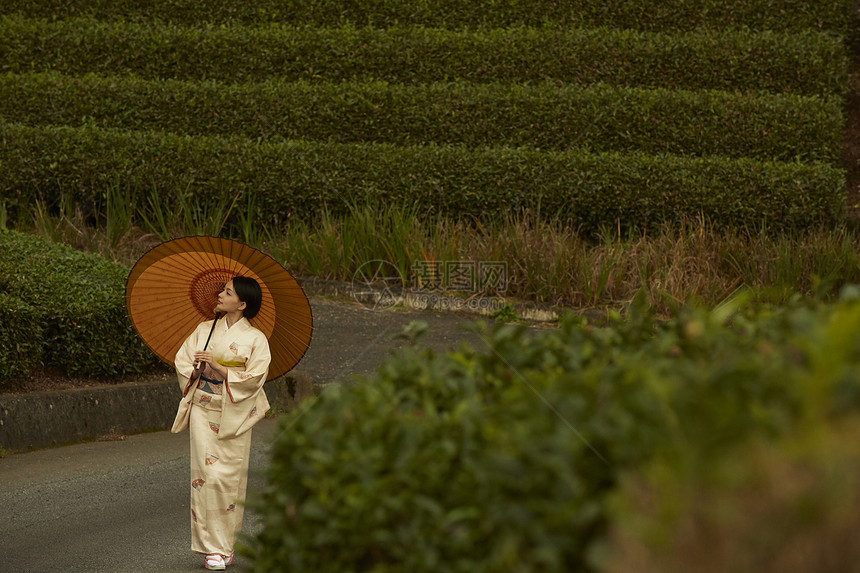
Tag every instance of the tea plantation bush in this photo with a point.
(76, 305)
(641, 14)
(806, 63)
(546, 116)
(505, 459)
(20, 336)
(293, 178)
(620, 111)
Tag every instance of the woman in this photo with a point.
(219, 409)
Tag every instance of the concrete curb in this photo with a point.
(43, 419)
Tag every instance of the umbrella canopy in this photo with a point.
(174, 287)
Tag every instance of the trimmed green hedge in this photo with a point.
(790, 15)
(296, 179)
(20, 336)
(810, 63)
(599, 118)
(78, 301)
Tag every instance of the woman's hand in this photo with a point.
(208, 359)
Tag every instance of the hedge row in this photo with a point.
(810, 63)
(788, 15)
(299, 178)
(600, 118)
(74, 317)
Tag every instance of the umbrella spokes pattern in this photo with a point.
(175, 286)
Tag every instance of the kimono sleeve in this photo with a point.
(246, 384)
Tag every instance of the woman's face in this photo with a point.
(228, 300)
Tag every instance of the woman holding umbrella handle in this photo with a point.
(198, 365)
(219, 409)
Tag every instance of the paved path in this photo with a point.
(122, 506)
(349, 339)
(105, 506)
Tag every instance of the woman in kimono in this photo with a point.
(219, 409)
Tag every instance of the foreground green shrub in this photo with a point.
(788, 506)
(79, 301)
(809, 63)
(643, 14)
(547, 116)
(506, 459)
(20, 336)
(298, 179)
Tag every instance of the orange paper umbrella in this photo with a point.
(174, 287)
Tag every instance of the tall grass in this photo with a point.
(190, 215)
(250, 231)
(548, 260)
(66, 223)
(155, 217)
(118, 215)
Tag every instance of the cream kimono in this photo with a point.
(219, 424)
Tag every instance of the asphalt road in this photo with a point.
(109, 507)
(349, 339)
(122, 506)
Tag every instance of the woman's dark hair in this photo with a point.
(249, 292)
